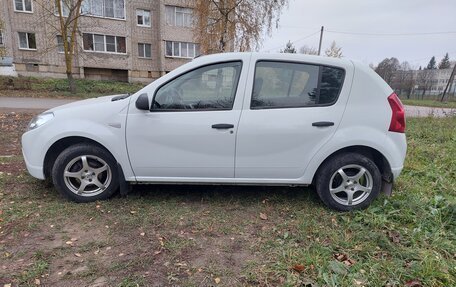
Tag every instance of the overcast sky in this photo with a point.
(305, 17)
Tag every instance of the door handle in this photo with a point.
(222, 126)
(322, 124)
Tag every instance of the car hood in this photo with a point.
(103, 102)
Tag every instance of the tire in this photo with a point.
(85, 173)
(348, 181)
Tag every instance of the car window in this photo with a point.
(285, 85)
(210, 87)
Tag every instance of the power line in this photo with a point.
(300, 39)
(391, 34)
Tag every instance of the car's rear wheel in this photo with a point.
(85, 173)
(348, 181)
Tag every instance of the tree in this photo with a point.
(62, 16)
(334, 51)
(289, 48)
(445, 63)
(432, 64)
(308, 50)
(387, 68)
(403, 80)
(425, 78)
(239, 23)
(2, 49)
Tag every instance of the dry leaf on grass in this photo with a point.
(341, 257)
(263, 216)
(298, 268)
(217, 280)
(413, 283)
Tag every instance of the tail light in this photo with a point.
(398, 118)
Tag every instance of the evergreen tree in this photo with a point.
(334, 51)
(289, 48)
(445, 63)
(432, 64)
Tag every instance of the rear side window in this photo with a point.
(289, 85)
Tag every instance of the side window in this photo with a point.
(288, 85)
(207, 88)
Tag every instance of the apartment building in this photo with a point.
(125, 40)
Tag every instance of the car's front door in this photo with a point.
(191, 129)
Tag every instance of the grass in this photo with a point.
(429, 103)
(201, 235)
(58, 88)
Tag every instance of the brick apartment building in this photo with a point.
(126, 40)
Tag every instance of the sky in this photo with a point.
(302, 20)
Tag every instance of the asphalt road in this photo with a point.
(17, 104)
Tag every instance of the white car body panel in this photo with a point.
(269, 146)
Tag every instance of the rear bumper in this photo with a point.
(396, 171)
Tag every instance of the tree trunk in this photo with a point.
(71, 82)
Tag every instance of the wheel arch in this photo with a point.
(60, 145)
(376, 156)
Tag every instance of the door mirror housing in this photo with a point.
(142, 102)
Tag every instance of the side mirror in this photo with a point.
(142, 103)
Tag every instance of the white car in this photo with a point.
(234, 118)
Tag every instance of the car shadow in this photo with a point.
(222, 193)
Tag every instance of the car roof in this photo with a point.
(341, 62)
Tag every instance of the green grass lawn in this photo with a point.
(429, 103)
(214, 236)
(58, 88)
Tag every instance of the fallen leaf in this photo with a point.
(7, 285)
(298, 268)
(217, 280)
(344, 259)
(132, 211)
(121, 254)
(394, 236)
(108, 248)
(263, 216)
(69, 242)
(37, 281)
(413, 283)
(77, 254)
(142, 234)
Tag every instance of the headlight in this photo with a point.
(39, 120)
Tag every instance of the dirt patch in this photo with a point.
(12, 126)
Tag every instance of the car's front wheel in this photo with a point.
(85, 173)
(348, 181)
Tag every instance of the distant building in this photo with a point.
(125, 40)
(429, 82)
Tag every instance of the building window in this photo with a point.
(182, 49)
(27, 41)
(65, 8)
(143, 18)
(60, 47)
(104, 43)
(179, 16)
(104, 8)
(23, 6)
(144, 50)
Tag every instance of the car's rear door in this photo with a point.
(294, 108)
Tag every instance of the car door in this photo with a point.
(189, 133)
(294, 108)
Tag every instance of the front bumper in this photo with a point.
(35, 171)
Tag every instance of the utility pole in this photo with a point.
(321, 38)
(450, 82)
